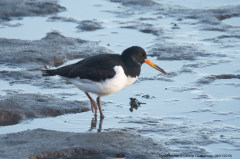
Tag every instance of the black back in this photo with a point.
(100, 67)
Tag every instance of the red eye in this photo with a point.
(140, 54)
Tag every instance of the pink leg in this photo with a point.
(93, 104)
(99, 107)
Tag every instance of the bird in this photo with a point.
(104, 74)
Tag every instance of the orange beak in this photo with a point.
(154, 66)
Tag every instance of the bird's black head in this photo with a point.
(134, 55)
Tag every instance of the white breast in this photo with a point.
(103, 88)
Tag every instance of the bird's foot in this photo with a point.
(94, 106)
(102, 116)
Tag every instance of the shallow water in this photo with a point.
(235, 21)
(181, 102)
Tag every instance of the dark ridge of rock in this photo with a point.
(147, 18)
(226, 40)
(144, 27)
(147, 96)
(19, 8)
(228, 36)
(84, 25)
(173, 51)
(236, 97)
(40, 143)
(211, 78)
(54, 49)
(88, 25)
(16, 107)
(136, 2)
(63, 19)
(227, 16)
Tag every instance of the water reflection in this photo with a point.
(94, 124)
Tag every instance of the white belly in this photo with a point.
(103, 88)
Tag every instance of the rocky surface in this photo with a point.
(18, 106)
(45, 144)
(54, 49)
(210, 78)
(16, 9)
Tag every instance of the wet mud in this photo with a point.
(210, 78)
(16, 106)
(183, 137)
(32, 56)
(49, 144)
(54, 50)
(84, 25)
(16, 9)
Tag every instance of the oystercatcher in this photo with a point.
(104, 74)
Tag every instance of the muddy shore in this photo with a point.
(191, 110)
(54, 144)
(19, 106)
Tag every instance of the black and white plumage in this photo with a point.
(104, 74)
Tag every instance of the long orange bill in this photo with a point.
(154, 66)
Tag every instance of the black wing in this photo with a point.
(96, 68)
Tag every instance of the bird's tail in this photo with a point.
(48, 73)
